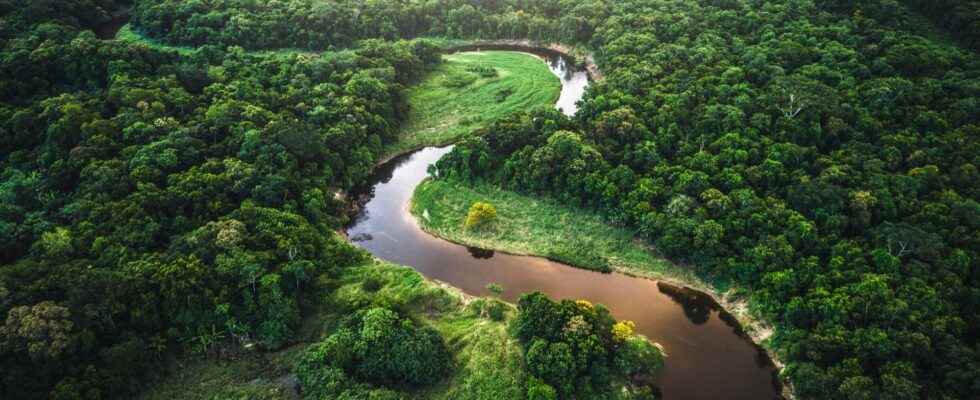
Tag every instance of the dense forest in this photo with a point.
(821, 155)
(151, 200)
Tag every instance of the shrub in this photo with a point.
(372, 284)
(484, 71)
(495, 310)
(481, 214)
(538, 390)
(638, 356)
(503, 94)
(458, 80)
(495, 288)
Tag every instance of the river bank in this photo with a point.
(543, 228)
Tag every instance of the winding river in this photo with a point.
(708, 357)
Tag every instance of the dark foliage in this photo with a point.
(152, 201)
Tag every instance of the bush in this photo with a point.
(638, 356)
(494, 309)
(481, 214)
(458, 80)
(372, 284)
(484, 71)
(538, 390)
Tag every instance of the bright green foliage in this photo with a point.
(538, 226)
(453, 102)
(495, 288)
(571, 348)
(480, 215)
(375, 346)
(636, 355)
(538, 390)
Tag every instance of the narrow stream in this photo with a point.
(708, 358)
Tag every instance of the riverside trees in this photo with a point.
(822, 159)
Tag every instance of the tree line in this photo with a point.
(318, 25)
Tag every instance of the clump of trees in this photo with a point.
(574, 349)
(372, 354)
(480, 215)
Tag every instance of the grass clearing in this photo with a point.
(489, 362)
(540, 227)
(462, 95)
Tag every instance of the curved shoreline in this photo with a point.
(748, 326)
(733, 311)
(582, 60)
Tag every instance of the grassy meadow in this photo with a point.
(471, 89)
(488, 360)
(540, 227)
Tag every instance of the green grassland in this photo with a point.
(453, 101)
(540, 227)
(488, 360)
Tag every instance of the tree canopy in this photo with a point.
(821, 155)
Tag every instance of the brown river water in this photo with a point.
(708, 356)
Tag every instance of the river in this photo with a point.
(708, 357)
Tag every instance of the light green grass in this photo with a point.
(540, 227)
(488, 361)
(441, 113)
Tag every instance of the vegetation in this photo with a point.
(823, 159)
(160, 202)
(318, 25)
(457, 98)
(575, 349)
(536, 226)
(376, 345)
(480, 216)
(154, 201)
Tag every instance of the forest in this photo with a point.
(173, 200)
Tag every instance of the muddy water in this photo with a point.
(707, 356)
(573, 83)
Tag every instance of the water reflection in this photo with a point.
(573, 83)
(480, 254)
(709, 358)
(697, 306)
